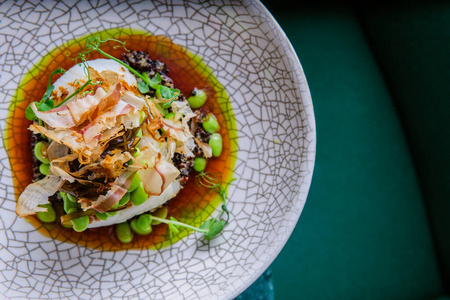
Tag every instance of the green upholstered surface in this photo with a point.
(261, 289)
(364, 232)
(411, 42)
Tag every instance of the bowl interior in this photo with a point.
(273, 147)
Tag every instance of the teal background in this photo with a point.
(377, 219)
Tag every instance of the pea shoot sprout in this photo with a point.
(46, 103)
(213, 226)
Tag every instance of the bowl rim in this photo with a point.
(311, 157)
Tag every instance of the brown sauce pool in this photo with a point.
(193, 204)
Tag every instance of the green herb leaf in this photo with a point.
(143, 87)
(50, 86)
(207, 224)
(166, 93)
(146, 78)
(47, 105)
(154, 82)
(29, 113)
(166, 105)
(48, 93)
(44, 105)
(215, 229)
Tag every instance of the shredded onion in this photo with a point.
(57, 150)
(36, 194)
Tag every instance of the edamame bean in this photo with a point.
(138, 196)
(44, 169)
(170, 116)
(102, 216)
(215, 141)
(40, 151)
(68, 204)
(66, 208)
(160, 213)
(199, 164)
(210, 123)
(71, 197)
(142, 225)
(144, 221)
(124, 199)
(113, 213)
(197, 99)
(47, 216)
(135, 183)
(79, 224)
(124, 233)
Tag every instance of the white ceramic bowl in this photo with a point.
(251, 57)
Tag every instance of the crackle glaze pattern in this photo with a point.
(252, 58)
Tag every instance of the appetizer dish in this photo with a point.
(113, 140)
(237, 56)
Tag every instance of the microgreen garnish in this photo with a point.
(210, 181)
(82, 57)
(154, 82)
(45, 103)
(168, 93)
(213, 226)
(94, 43)
(143, 87)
